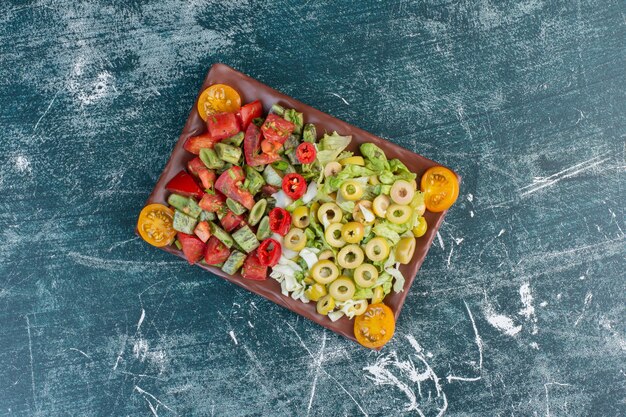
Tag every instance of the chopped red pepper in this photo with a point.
(306, 153)
(280, 221)
(193, 247)
(184, 184)
(252, 268)
(230, 184)
(277, 129)
(195, 143)
(212, 202)
(269, 252)
(252, 147)
(249, 112)
(222, 125)
(203, 231)
(294, 185)
(231, 221)
(216, 252)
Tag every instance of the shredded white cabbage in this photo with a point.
(282, 199)
(367, 214)
(310, 256)
(398, 285)
(311, 192)
(335, 315)
(350, 307)
(285, 273)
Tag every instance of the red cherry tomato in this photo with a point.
(294, 185)
(269, 252)
(306, 153)
(280, 221)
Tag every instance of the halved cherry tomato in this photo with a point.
(294, 185)
(280, 221)
(222, 126)
(375, 327)
(440, 187)
(155, 225)
(230, 184)
(193, 248)
(195, 143)
(249, 112)
(230, 221)
(216, 252)
(269, 252)
(306, 153)
(252, 147)
(184, 184)
(252, 268)
(218, 98)
(277, 129)
(212, 202)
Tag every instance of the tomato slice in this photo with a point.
(184, 184)
(252, 268)
(249, 112)
(195, 143)
(231, 221)
(155, 225)
(440, 187)
(375, 327)
(222, 126)
(218, 98)
(216, 252)
(277, 129)
(269, 252)
(294, 185)
(230, 184)
(280, 221)
(306, 153)
(203, 231)
(193, 248)
(207, 177)
(212, 202)
(252, 147)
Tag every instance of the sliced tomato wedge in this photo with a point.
(230, 184)
(184, 184)
(306, 153)
(277, 129)
(216, 252)
(294, 185)
(193, 248)
(250, 112)
(212, 202)
(195, 143)
(222, 126)
(252, 148)
(252, 268)
(231, 221)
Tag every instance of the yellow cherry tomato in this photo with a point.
(440, 187)
(325, 305)
(300, 217)
(333, 235)
(380, 205)
(342, 289)
(218, 98)
(315, 292)
(365, 275)
(377, 249)
(402, 192)
(353, 160)
(350, 256)
(295, 239)
(352, 232)
(324, 271)
(379, 294)
(329, 211)
(398, 214)
(351, 190)
(155, 225)
(375, 327)
(405, 250)
(420, 229)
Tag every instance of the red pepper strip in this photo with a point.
(294, 185)
(306, 153)
(269, 252)
(280, 220)
(184, 184)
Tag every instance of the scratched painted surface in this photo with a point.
(519, 308)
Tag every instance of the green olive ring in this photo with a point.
(350, 256)
(342, 289)
(365, 275)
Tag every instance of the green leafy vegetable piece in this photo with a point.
(376, 158)
(291, 115)
(309, 133)
(331, 146)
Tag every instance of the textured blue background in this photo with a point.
(519, 308)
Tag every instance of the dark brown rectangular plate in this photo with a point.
(251, 90)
